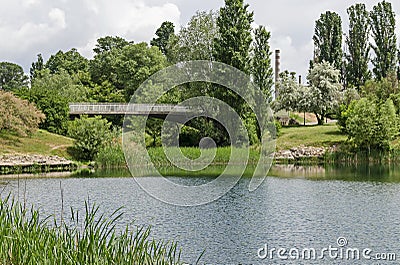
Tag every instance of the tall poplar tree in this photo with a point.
(261, 67)
(328, 39)
(383, 24)
(233, 44)
(357, 41)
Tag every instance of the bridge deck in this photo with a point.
(123, 108)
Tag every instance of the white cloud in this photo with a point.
(58, 17)
(135, 20)
(45, 26)
(29, 3)
(293, 58)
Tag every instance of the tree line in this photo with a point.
(340, 82)
(119, 66)
(339, 77)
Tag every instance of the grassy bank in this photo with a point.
(41, 142)
(27, 238)
(317, 136)
(313, 135)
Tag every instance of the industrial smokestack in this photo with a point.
(277, 69)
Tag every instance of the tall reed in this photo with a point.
(26, 238)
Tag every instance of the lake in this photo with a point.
(347, 215)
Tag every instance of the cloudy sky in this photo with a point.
(29, 27)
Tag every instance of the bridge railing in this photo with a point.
(123, 108)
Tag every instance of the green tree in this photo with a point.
(90, 135)
(261, 64)
(383, 25)
(232, 47)
(328, 39)
(288, 92)
(108, 43)
(381, 90)
(371, 125)
(36, 67)
(324, 81)
(234, 42)
(163, 33)
(195, 41)
(127, 67)
(71, 61)
(17, 115)
(12, 76)
(51, 93)
(135, 64)
(357, 72)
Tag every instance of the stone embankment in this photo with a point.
(301, 153)
(13, 164)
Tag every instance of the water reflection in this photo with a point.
(360, 172)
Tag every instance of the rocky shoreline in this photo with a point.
(14, 164)
(301, 153)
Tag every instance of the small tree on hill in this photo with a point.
(17, 115)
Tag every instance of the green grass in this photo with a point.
(222, 155)
(317, 136)
(41, 143)
(26, 238)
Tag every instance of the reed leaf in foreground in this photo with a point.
(27, 239)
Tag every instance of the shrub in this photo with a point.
(90, 136)
(17, 115)
(111, 154)
(371, 125)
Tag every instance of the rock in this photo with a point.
(33, 159)
(301, 152)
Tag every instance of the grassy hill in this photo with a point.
(313, 135)
(41, 142)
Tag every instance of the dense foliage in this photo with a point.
(357, 41)
(339, 80)
(17, 115)
(383, 25)
(12, 76)
(91, 135)
(372, 122)
(328, 39)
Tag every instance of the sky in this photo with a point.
(30, 27)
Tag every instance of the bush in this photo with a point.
(90, 134)
(17, 115)
(111, 154)
(51, 93)
(371, 125)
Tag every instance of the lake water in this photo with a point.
(298, 209)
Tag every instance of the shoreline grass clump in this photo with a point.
(26, 238)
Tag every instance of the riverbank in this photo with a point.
(47, 152)
(19, 164)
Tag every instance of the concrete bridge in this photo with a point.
(158, 111)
